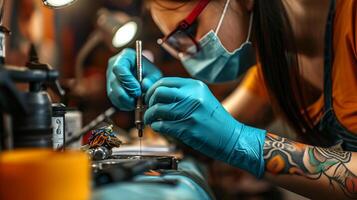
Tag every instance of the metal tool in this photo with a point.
(140, 108)
(119, 168)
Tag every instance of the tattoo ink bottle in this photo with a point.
(58, 125)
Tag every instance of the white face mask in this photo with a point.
(214, 63)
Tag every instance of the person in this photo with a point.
(301, 58)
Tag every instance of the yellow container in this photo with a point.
(33, 174)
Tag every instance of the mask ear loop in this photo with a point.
(224, 14)
(222, 17)
(250, 27)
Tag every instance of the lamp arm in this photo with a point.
(93, 40)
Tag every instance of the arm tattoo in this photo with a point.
(283, 156)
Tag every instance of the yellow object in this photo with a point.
(44, 175)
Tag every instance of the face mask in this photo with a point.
(214, 63)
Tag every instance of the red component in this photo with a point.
(351, 185)
(196, 12)
(188, 21)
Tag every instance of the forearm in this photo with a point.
(248, 108)
(311, 171)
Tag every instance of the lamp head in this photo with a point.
(118, 28)
(57, 3)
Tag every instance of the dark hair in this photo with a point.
(278, 56)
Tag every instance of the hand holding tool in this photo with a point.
(122, 85)
(187, 110)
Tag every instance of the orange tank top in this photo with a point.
(344, 70)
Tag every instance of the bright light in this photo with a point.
(57, 3)
(125, 34)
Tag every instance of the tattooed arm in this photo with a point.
(310, 171)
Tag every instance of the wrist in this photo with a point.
(247, 151)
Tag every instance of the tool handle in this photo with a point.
(139, 63)
(140, 109)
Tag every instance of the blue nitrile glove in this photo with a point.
(122, 85)
(188, 111)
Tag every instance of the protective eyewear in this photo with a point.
(181, 41)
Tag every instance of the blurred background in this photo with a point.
(60, 35)
(73, 40)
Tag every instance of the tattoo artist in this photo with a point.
(301, 62)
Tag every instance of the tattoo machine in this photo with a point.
(140, 108)
(101, 143)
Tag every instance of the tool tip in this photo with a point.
(140, 133)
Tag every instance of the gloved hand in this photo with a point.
(122, 85)
(188, 111)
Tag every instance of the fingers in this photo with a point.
(120, 98)
(168, 102)
(123, 66)
(165, 95)
(150, 70)
(110, 79)
(176, 111)
(164, 127)
(159, 112)
(127, 81)
(171, 82)
(147, 83)
(130, 84)
(151, 74)
(123, 69)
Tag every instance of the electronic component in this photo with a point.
(101, 143)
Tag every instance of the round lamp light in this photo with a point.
(57, 3)
(125, 34)
(118, 29)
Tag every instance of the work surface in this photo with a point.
(187, 182)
